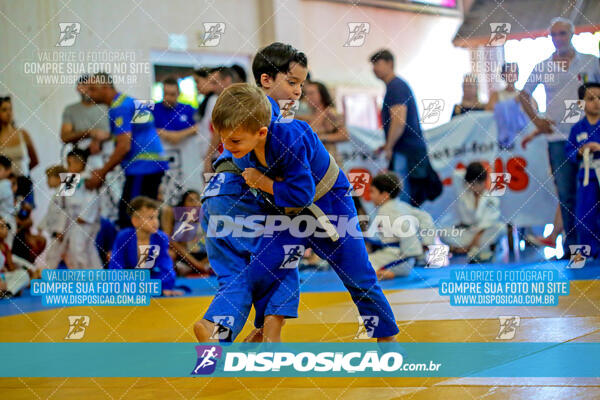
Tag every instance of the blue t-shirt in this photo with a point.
(173, 118)
(146, 155)
(581, 133)
(398, 92)
(125, 255)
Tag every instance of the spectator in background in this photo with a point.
(7, 198)
(12, 278)
(479, 224)
(399, 249)
(17, 145)
(54, 222)
(323, 118)
(470, 100)
(186, 245)
(177, 128)
(145, 246)
(404, 146)
(220, 78)
(83, 210)
(510, 118)
(561, 75)
(138, 148)
(85, 125)
(239, 74)
(204, 88)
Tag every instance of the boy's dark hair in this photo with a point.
(476, 173)
(140, 202)
(83, 79)
(388, 183)
(81, 154)
(223, 72)
(185, 195)
(171, 80)
(5, 162)
(383, 54)
(202, 72)
(583, 88)
(276, 58)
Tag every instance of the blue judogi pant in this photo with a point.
(240, 284)
(588, 214)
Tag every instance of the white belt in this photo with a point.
(590, 163)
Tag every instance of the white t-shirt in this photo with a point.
(561, 85)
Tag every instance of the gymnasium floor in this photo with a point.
(325, 316)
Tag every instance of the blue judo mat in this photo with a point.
(327, 281)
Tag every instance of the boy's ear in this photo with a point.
(262, 132)
(266, 81)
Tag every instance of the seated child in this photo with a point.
(402, 246)
(479, 216)
(83, 211)
(583, 147)
(53, 223)
(12, 278)
(7, 199)
(144, 245)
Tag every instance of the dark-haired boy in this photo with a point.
(144, 245)
(478, 214)
(289, 162)
(282, 70)
(400, 242)
(583, 147)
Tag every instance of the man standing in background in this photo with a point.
(561, 75)
(177, 129)
(404, 147)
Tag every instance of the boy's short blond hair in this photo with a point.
(241, 106)
(55, 170)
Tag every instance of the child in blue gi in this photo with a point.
(288, 161)
(583, 147)
(145, 246)
(275, 295)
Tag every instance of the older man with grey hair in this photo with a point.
(561, 75)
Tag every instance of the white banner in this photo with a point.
(530, 198)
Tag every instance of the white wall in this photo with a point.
(421, 43)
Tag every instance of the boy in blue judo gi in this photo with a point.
(275, 295)
(288, 161)
(583, 147)
(144, 245)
